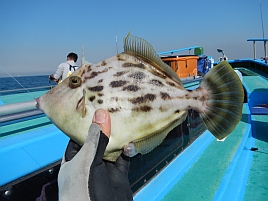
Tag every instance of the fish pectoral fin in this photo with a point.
(81, 105)
(113, 156)
(147, 144)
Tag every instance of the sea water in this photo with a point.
(11, 83)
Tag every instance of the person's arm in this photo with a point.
(84, 175)
(51, 77)
(59, 72)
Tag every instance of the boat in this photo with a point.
(190, 164)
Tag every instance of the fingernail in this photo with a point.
(99, 116)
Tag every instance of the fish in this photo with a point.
(145, 99)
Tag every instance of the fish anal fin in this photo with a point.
(147, 144)
(113, 156)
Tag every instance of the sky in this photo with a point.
(36, 36)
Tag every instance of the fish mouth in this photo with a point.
(37, 103)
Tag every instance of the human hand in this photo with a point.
(84, 175)
(51, 77)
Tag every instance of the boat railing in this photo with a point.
(20, 110)
(22, 90)
(264, 40)
(171, 52)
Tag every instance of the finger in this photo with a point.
(102, 118)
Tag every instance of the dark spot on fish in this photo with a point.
(91, 98)
(83, 72)
(165, 96)
(156, 82)
(129, 65)
(143, 99)
(191, 96)
(150, 97)
(93, 74)
(101, 80)
(112, 110)
(177, 111)
(119, 58)
(97, 66)
(171, 84)
(100, 101)
(144, 108)
(137, 75)
(96, 88)
(96, 73)
(131, 88)
(89, 68)
(137, 100)
(114, 99)
(103, 63)
(119, 83)
(120, 73)
(162, 109)
(202, 98)
(100, 94)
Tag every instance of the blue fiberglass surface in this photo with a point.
(25, 153)
(234, 181)
(155, 190)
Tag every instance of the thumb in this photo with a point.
(102, 118)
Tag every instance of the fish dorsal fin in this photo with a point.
(148, 143)
(141, 48)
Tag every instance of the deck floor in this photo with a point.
(214, 176)
(204, 177)
(257, 185)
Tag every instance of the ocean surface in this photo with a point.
(12, 84)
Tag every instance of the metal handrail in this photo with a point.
(42, 87)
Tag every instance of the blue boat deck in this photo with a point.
(228, 170)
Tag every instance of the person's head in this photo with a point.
(72, 56)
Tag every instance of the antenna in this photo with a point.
(116, 42)
(264, 42)
(83, 56)
(262, 21)
(83, 59)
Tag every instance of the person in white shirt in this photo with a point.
(65, 69)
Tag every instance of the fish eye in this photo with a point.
(74, 82)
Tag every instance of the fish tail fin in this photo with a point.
(225, 100)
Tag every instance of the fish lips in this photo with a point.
(38, 103)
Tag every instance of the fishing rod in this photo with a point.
(16, 81)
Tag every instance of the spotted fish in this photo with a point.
(145, 99)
